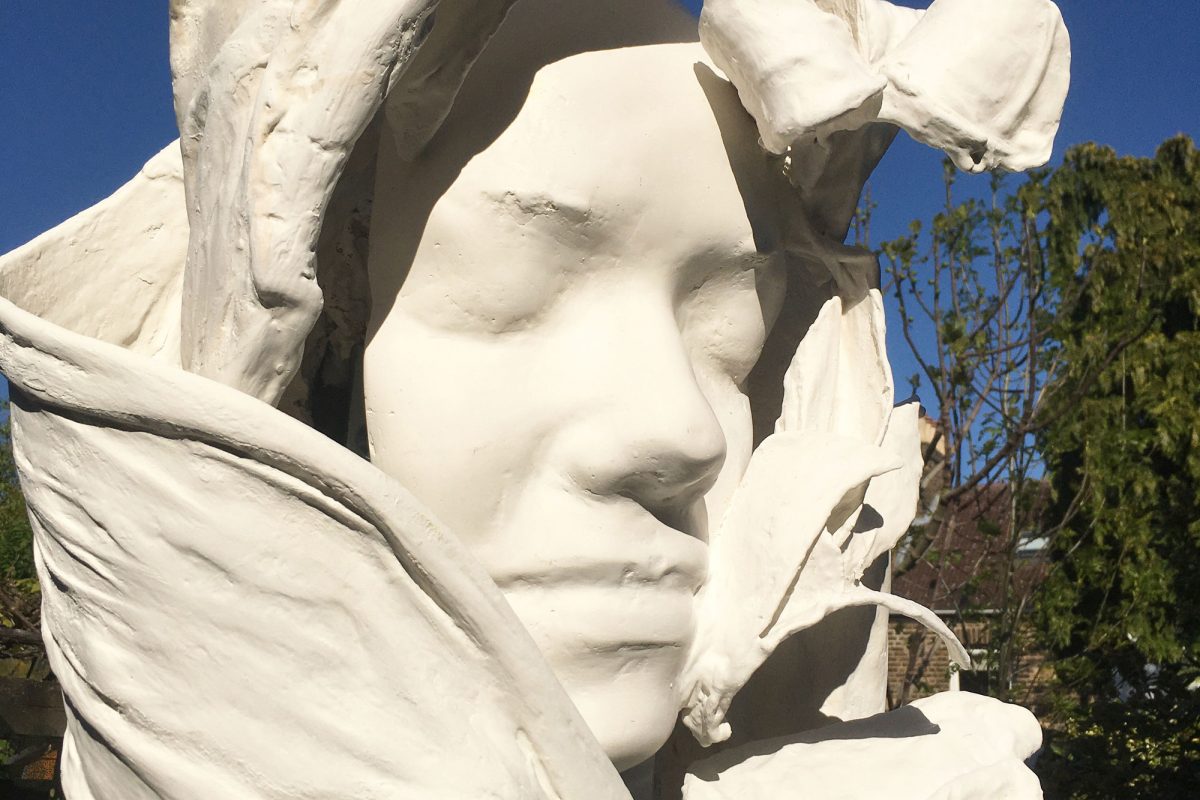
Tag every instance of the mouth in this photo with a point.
(690, 519)
(654, 571)
(589, 620)
(633, 548)
(600, 577)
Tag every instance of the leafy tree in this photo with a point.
(1057, 330)
(972, 300)
(19, 596)
(1123, 452)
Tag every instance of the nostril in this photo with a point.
(685, 514)
(674, 492)
(688, 517)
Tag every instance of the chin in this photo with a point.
(633, 713)
(619, 652)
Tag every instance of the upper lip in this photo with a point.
(650, 553)
(649, 572)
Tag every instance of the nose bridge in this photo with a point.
(662, 441)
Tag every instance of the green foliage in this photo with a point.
(1143, 748)
(19, 590)
(973, 303)
(971, 294)
(1122, 439)
(16, 537)
(1059, 332)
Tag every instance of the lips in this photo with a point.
(603, 576)
(684, 572)
(620, 545)
(597, 618)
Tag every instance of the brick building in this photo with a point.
(979, 578)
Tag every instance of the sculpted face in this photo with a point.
(557, 354)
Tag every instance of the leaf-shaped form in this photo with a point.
(796, 67)
(777, 515)
(820, 590)
(114, 271)
(238, 607)
(952, 745)
(840, 380)
(807, 402)
(891, 498)
(983, 80)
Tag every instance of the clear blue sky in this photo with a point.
(85, 100)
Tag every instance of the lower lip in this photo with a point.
(604, 616)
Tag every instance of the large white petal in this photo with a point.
(796, 67)
(952, 746)
(983, 80)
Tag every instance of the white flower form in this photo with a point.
(983, 80)
(823, 498)
(834, 488)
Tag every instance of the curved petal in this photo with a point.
(840, 380)
(113, 271)
(952, 745)
(797, 68)
(892, 497)
(809, 608)
(983, 80)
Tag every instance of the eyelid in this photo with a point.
(733, 348)
(724, 262)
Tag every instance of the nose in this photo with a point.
(650, 432)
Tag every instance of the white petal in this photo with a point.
(953, 746)
(983, 80)
(893, 497)
(762, 561)
(797, 69)
(839, 380)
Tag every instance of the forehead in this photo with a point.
(645, 141)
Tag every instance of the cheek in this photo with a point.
(446, 417)
(724, 323)
(732, 409)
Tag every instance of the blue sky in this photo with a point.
(85, 100)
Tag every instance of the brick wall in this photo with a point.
(919, 666)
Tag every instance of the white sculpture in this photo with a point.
(586, 296)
